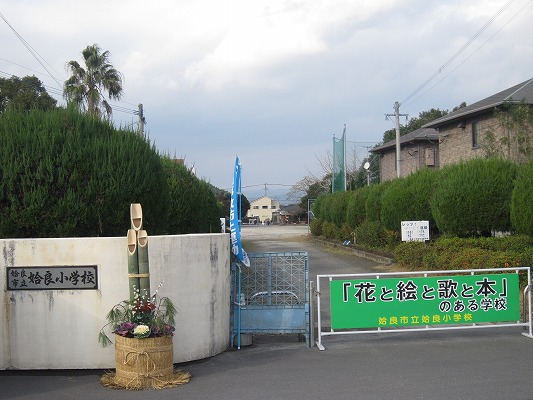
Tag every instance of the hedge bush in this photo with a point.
(521, 200)
(407, 199)
(371, 234)
(339, 205)
(316, 227)
(67, 174)
(410, 255)
(472, 198)
(193, 206)
(373, 201)
(458, 253)
(355, 212)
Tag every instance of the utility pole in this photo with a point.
(398, 147)
(141, 121)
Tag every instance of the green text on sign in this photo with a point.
(395, 302)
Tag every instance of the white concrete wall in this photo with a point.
(58, 329)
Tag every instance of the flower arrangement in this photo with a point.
(143, 317)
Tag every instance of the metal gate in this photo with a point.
(272, 295)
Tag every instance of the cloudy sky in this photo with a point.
(273, 80)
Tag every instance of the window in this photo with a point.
(475, 134)
(273, 207)
(265, 207)
(256, 207)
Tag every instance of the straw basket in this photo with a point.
(144, 363)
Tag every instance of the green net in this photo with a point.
(338, 173)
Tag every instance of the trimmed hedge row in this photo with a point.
(193, 207)
(474, 198)
(461, 253)
(522, 200)
(68, 174)
(467, 199)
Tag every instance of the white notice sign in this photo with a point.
(415, 231)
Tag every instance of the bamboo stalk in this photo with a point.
(144, 268)
(133, 264)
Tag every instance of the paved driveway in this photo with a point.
(491, 364)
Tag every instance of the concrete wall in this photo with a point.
(58, 329)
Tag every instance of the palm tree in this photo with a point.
(86, 87)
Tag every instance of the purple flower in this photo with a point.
(125, 329)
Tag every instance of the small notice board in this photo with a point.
(415, 231)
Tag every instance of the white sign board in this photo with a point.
(415, 231)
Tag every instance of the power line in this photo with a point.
(38, 57)
(33, 52)
(48, 88)
(266, 184)
(59, 93)
(22, 66)
(479, 48)
(458, 52)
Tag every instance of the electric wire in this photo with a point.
(458, 52)
(59, 90)
(22, 66)
(33, 52)
(471, 55)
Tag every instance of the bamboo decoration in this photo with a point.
(143, 361)
(136, 216)
(138, 269)
(133, 264)
(144, 268)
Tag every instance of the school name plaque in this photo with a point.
(53, 278)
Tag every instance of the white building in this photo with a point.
(264, 209)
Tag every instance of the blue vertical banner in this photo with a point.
(234, 215)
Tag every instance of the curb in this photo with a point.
(358, 252)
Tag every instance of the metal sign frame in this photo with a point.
(526, 322)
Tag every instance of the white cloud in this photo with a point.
(220, 76)
(265, 34)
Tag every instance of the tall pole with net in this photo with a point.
(338, 172)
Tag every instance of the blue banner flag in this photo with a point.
(234, 214)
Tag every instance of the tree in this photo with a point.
(362, 176)
(224, 198)
(521, 210)
(308, 188)
(24, 94)
(86, 87)
(416, 123)
(64, 173)
(192, 206)
(474, 197)
(515, 120)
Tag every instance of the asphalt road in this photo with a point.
(482, 364)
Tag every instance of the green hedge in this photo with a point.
(466, 253)
(355, 212)
(522, 200)
(193, 207)
(474, 197)
(407, 199)
(373, 201)
(67, 174)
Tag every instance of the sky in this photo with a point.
(273, 81)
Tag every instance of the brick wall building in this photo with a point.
(419, 149)
(473, 131)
